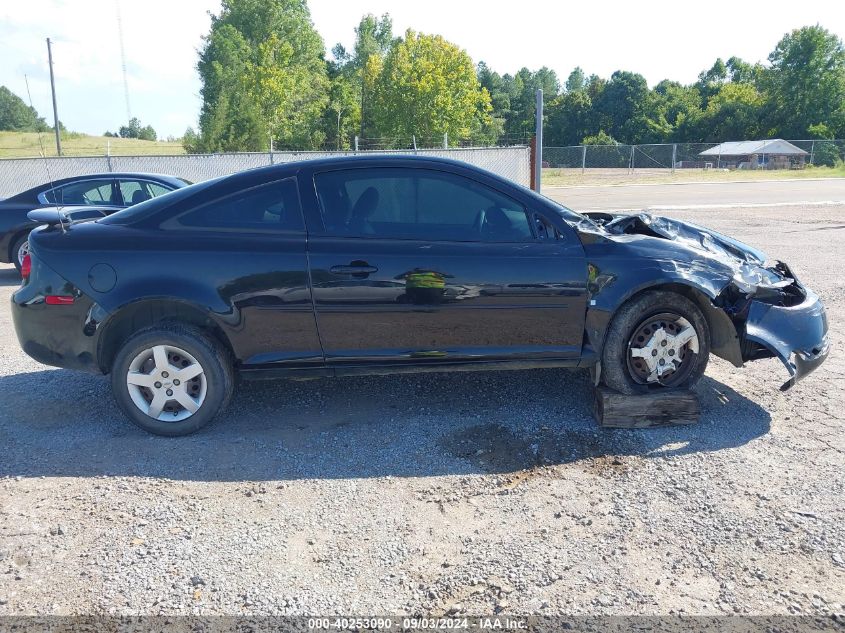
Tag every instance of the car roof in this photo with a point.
(116, 174)
(393, 159)
(32, 192)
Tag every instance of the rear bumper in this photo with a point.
(58, 335)
(797, 335)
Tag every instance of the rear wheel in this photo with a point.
(172, 379)
(20, 249)
(659, 339)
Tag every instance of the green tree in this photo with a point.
(343, 114)
(427, 87)
(263, 77)
(190, 141)
(570, 118)
(499, 96)
(135, 130)
(522, 89)
(602, 138)
(373, 39)
(622, 106)
(709, 81)
(576, 81)
(147, 133)
(825, 151)
(16, 116)
(733, 113)
(741, 72)
(806, 82)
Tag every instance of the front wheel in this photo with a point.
(658, 339)
(172, 379)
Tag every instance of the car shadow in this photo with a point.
(58, 423)
(9, 276)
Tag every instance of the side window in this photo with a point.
(133, 192)
(272, 207)
(545, 230)
(84, 192)
(418, 204)
(137, 191)
(157, 190)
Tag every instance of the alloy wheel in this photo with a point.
(23, 251)
(166, 383)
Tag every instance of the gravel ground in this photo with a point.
(467, 493)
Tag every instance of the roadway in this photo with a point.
(700, 195)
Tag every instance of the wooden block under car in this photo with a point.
(660, 408)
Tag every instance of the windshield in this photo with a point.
(147, 208)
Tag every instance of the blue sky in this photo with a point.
(659, 39)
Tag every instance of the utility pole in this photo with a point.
(55, 109)
(538, 135)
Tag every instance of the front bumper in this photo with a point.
(797, 335)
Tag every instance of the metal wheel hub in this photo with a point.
(166, 383)
(662, 350)
(23, 251)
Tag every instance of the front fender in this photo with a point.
(612, 282)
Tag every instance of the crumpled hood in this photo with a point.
(691, 235)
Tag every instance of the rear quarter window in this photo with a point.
(270, 207)
(149, 208)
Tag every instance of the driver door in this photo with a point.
(417, 265)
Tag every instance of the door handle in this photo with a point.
(353, 270)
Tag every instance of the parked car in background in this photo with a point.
(113, 190)
(384, 264)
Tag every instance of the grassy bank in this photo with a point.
(26, 145)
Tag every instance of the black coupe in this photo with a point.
(385, 264)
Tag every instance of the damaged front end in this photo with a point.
(771, 312)
(776, 316)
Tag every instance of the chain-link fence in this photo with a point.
(20, 174)
(673, 156)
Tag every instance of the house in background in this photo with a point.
(771, 154)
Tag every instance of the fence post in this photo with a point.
(674, 156)
(445, 140)
(532, 162)
(271, 150)
(812, 151)
(631, 161)
(414, 141)
(583, 159)
(538, 142)
(356, 143)
(108, 155)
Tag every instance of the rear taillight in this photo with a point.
(58, 300)
(26, 267)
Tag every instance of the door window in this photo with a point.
(84, 192)
(418, 204)
(157, 189)
(269, 207)
(137, 191)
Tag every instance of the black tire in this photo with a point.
(214, 359)
(616, 370)
(15, 248)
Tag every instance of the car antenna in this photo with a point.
(43, 155)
